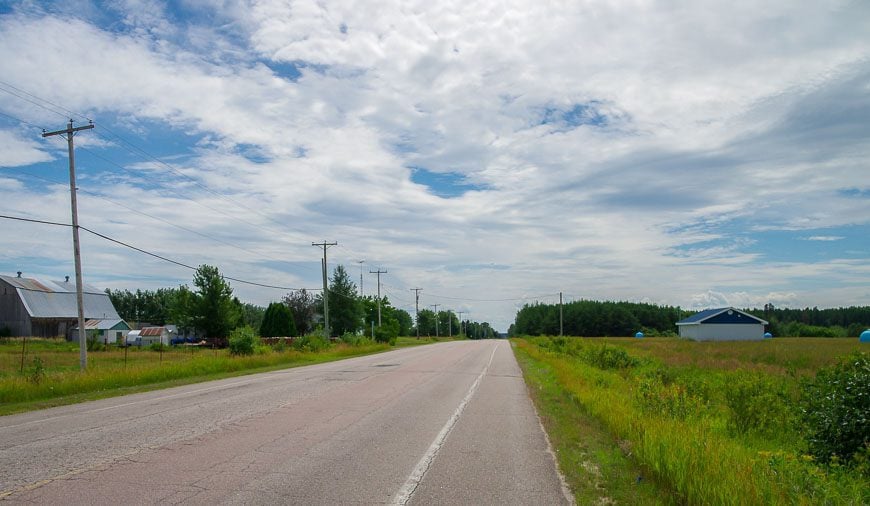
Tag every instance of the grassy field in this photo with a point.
(51, 376)
(681, 422)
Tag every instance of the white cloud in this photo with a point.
(17, 151)
(703, 128)
(824, 238)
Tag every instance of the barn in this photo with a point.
(722, 324)
(41, 308)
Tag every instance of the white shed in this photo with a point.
(151, 335)
(722, 324)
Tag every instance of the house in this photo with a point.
(722, 324)
(151, 335)
(106, 331)
(33, 307)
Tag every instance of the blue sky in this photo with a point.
(492, 153)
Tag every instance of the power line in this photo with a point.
(156, 218)
(149, 253)
(66, 112)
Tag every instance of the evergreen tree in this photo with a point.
(277, 321)
(345, 311)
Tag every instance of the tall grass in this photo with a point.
(107, 371)
(676, 423)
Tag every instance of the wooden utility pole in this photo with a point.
(436, 318)
(325, 245)
(461, 329)
(560, 313)
(70, 132)
(379, 272)
(417, 309)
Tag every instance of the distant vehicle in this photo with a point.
(133, 338)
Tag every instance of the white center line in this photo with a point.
(404, 494)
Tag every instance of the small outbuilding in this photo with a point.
(151, 335)
(109, 331)
(722, 324)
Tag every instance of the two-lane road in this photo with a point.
(449, 423)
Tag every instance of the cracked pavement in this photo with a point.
(347, 432)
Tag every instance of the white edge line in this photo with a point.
(407, 491)
(566, 490)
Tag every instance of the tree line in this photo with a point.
(210, 309)
(831, 322)
(607, 318)
(594, 318)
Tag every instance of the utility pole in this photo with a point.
(379, 272)
(560, 313)
(417, 309)
(77, 256)
(461, 327)
(360, 262)
(450, 323)
(436, 318)
(325, 245)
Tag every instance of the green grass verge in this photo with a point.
(682, 421)
(108, 376)
(597, 469)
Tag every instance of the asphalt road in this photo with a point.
(449, 423)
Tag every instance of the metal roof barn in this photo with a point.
(722, 324)
(34, 307)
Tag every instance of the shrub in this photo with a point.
(158, 347)
(755, 404)
(5, 332)
(310, 342)
(835, 410)
(36, 373)
(672, 400)
(388, 332)
(352, 339)
(242, 341)
(609, 357)
(93, 343)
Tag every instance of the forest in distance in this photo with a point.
(615, 319)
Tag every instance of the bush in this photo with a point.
(93, 343)
(36, 372)
(243, 341)
(609, 357)
(352, 339)
(672, 400)
(836, 410)
(5, 332)
(310, 342)
(158, 347)
(388, 332)
(756, 404)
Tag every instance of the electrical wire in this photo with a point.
(156, 218)
(149, 253)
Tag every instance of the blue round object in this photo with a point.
(768, 335)
(639, 334)
(865, 336)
